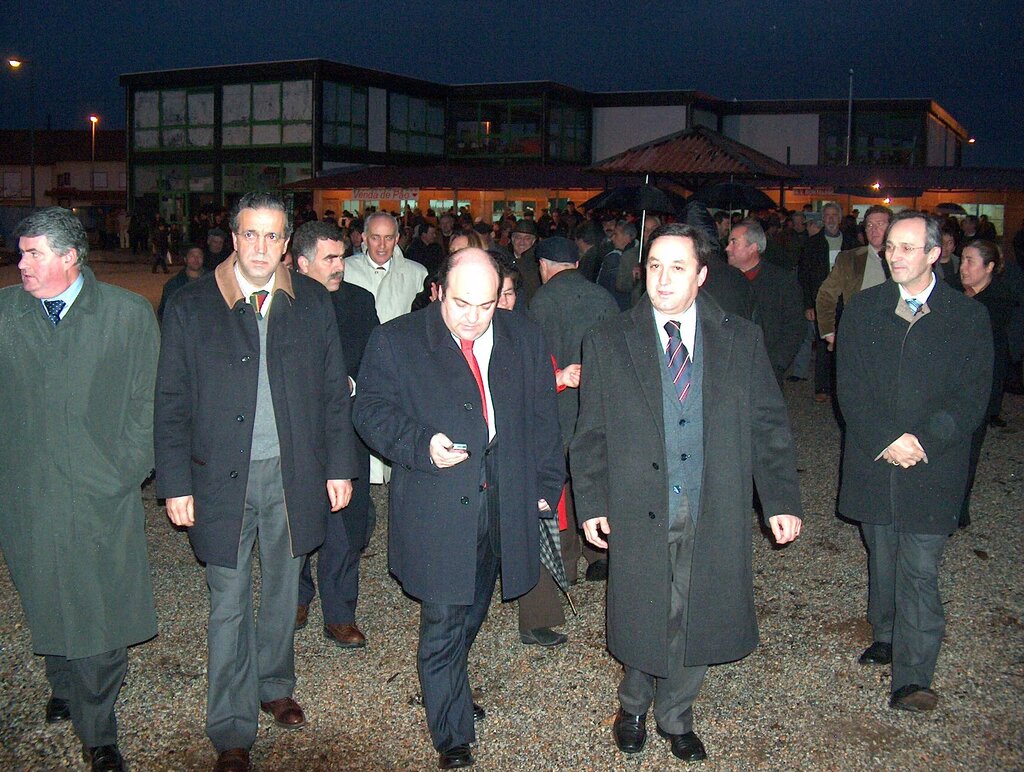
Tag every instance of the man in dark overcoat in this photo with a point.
(77, 367)
(913, 373)
(679, 412)
(461, 397)
(254, 442)
(319, 251)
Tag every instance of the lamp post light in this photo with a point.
(16, 63)
(93, 119)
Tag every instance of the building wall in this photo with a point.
(619, 128)
(773, 135)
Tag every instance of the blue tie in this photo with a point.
(53, 309)
(678, 360)
(915, 305)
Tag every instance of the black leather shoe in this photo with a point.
(687, 747)
(103, 757)
(916, 699)
(878, 653)
(57, 710)
(456, 757)
(597, 571)
(543, 636)
(630, 731)
(479, 714)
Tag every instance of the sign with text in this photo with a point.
(385, 194)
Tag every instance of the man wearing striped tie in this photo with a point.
(679, 413)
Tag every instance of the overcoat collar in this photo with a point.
(438, 334)
(85, 303)
(227, 282)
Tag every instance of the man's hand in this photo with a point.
(181, 510)
(593, 529)
(785, 528)
(340, 493)
(809, 315)
(906, 451)
(442, 453)
(569, 377)
(830, 339)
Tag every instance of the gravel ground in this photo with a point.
(799, 701)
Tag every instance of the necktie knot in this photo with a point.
(915, 305)
(53, 309)
(257, 299)
(467, 346)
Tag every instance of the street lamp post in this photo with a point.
(93, 119)
(16, 63)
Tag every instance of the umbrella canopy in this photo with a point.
(950, 208)
(733, 195)
(551, 551)
(637, 199)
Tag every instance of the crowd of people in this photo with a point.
(532, 391)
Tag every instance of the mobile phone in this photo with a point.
(459, 446)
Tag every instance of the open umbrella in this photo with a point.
(733, 195)
(637, 199)
(950, 208)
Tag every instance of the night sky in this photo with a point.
(968, 56)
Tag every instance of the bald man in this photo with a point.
(461, 397)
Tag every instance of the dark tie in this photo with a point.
(678, 360)
(53, 309)
(915, 305)
(474, 366)
(257, 299)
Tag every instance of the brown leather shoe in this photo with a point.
(233, 760)
(286, 712)
(301, 616)
(345, 636)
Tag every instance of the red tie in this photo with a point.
(474, 366)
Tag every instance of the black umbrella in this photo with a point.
(950, 208)
(733, 195)
(551, 555)
(637, 199)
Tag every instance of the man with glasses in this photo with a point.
(855, 269)
(254, 442)
(913, 372)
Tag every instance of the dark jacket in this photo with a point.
(414, 383)
(206, 398)
(730, 289)
(175, 283)
(356, 315)
(529, 272)
(779, 312)
(930, 379)
(77, 417)
(814, 265)
(565, 308)
(618, 465)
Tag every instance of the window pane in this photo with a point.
(200, 137)
(266, 102)
(172, 108)
(269, 134)
(200, 109)
(236, 135)
(147, 109)
(236, 104)
(297, 133)
(399, 111)
(298, 100)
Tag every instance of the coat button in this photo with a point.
(246, 358)
(682, 422)
(241, 310)
(239, 418)
(464, 499)
(651, 515)
(467, 405)
(683, 457)
(655, 465)
(233, 474)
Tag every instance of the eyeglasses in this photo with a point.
(251, 237)
(900, 249)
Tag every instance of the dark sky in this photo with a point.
(968, 56)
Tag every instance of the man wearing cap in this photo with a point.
(524, 248)
(565, 306)
(461, 396)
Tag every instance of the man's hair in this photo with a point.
(628, 228)
(309, 233)
(722, 215)
(701, 245)
(589, 234)
(988, 252)
(832, 205)
(932, 230)
(972, 220)
(878, 209)
(62, 229)
(452, 259)
(356, 225)
(261, 200)
(185, 253)
(754, 234)
(381, 216)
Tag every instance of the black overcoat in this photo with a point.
(414, 383)
(930, 379)
(618, 465)
(206, 399)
